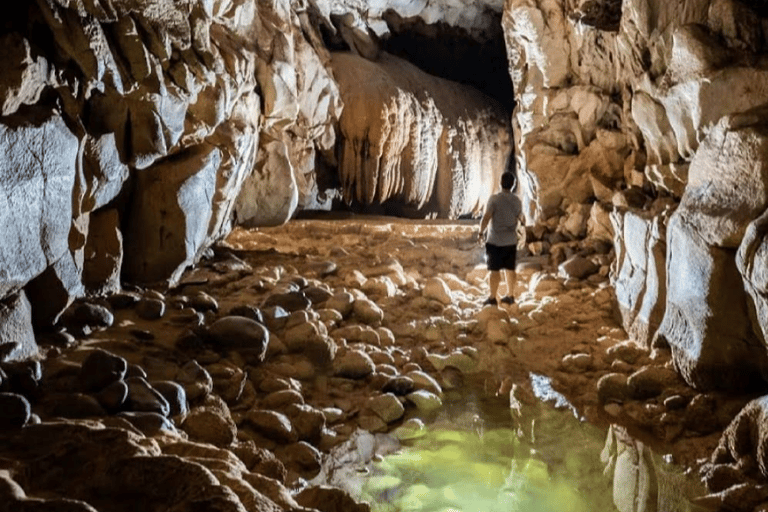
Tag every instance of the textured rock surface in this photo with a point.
(421, 142)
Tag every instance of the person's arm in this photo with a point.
(484, 222)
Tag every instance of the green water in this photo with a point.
(477, 457)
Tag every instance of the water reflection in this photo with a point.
(487, 455)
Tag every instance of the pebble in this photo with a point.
(208, 426)
(342, 302)
(424, 401)
(93, 315)
(291, 301)
(436, 289)
(317, 294)
(332, 414)
(612, 387)
(281, 399)
(367, 311)
(301, 456)
(242, 334)
(113, 397)
(101, 368)
(15, 411)
(174, 394)
(400, 385)
(412, 428)
(354, 364)
(150, 309)
(248, 311)
(202, 302)
(272, 425)
(123, 300)
(308, 422)
(149, 423)
(143, 398)
(387, 407)
(423, 380)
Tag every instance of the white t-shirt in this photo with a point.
(504, 209)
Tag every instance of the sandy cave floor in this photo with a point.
(562, 329)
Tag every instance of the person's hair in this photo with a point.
(508, 180)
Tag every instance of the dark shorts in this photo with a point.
(500, 257)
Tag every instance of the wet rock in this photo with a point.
(241, 334)
(367, 311)
(208, 426)
(15, 411)
(651, 381)
(612, 387)
(100, 369)
(424, 401)
(113, 396)
(399, 385)
(387, 407)
(343, 302)
(174, 394)
(675, 402)
(456, 359)
(291, 301)
(272, 425)
(150, 309)
(412, 428)
(308, 422)
(329, 499)
(149, 423)
(577, 267)
(134, 370)
(423, 380)
(247, 311)
(143, 398)
(354, 364)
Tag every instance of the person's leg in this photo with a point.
(510, 278)
(494, 279)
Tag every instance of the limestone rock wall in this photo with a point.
(663, 101)
(134, 134)
(421, 142)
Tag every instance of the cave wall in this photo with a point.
(135, 135)
(664, 101)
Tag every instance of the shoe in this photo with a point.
(508, 300)
(490, 301)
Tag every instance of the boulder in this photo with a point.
(162, 246)
(639, 272)
(241, 334)
(36, 184)
(103, 253)
(17, 339)
(706, 322)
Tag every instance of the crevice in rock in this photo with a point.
(601, 14)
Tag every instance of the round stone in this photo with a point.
(149, 423)
(15, 411)
(248, 311)
(143, 398)
(354, 364)
(174, 394)
(113, 397)
(93, 315)
(291, 301)
(150, 309)
(308, 422)
(387, 407)
(399, 385)
(240, 333)
(202, 302)
(273, 425)
(612, 387)
(207, 426)
(100, 369)
(424, 400)
(367, 311)
(282, 399)
(196, 380)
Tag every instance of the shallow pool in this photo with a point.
(476, 456)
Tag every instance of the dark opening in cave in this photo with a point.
(452, 53)
(448, 52)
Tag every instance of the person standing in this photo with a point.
(501, 217)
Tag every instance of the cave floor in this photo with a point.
(429, 279)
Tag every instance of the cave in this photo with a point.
(242, 264)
